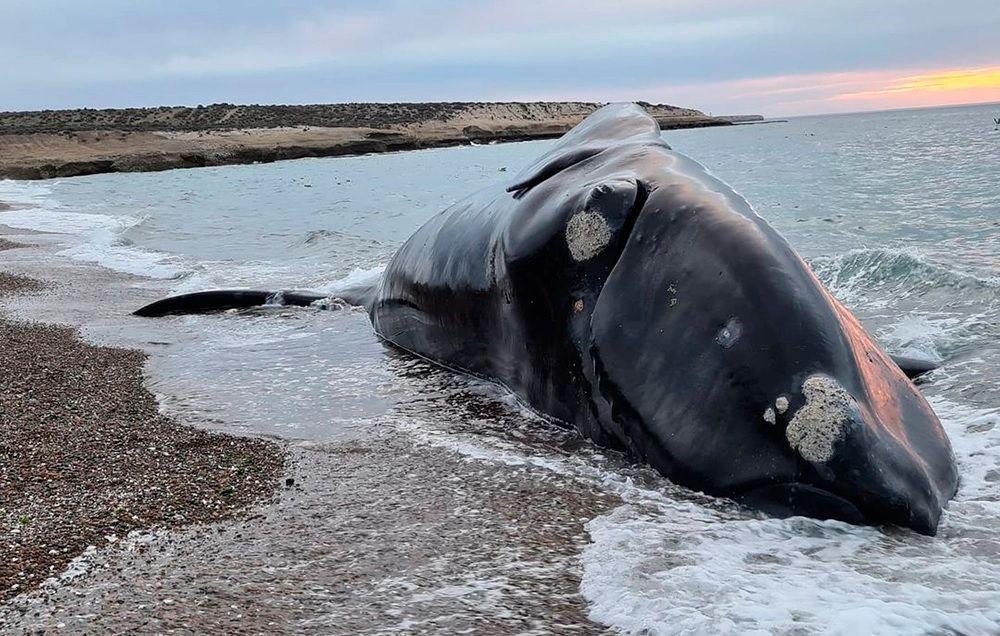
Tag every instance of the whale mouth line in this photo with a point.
(794, 498)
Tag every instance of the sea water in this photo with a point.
(898, 212)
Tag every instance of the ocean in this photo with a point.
(898, 213)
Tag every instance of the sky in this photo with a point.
(773, 57)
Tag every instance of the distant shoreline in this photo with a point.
(67, 143)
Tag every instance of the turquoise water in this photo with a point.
(898, 212)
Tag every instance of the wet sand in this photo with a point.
(9, 245)
(392, 533)
(85, 458)
(361, 544)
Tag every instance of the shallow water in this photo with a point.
(898, 212)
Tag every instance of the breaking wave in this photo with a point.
(883, 276)
(915, 306)
(95, 238)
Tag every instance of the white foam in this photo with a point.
(96, 238)
(229, 274)
(51, 218)
(268, 275)
(358, 277)
(129, 260)
(921, 336)
(878, 278)
(29, 193)
(669, 561)
(254, 332)
(659, 573)
(655, 568)
(975, 438)
(85, 561)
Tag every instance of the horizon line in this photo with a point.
(519, 101)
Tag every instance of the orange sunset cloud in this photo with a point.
(846, 91)
(973, 85)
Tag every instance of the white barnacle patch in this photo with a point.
(822, 421)
(587, 234)
(769, 416)
(781, 403)
(729, 333)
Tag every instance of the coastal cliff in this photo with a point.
(65, 143)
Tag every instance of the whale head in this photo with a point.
(706, 346)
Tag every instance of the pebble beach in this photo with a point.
(86, 458)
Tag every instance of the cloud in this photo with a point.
(813, 93)
(771, 56)
(302, 43)
(948, 81)
(850, 91)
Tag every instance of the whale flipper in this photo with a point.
(223, 299)
(913, 367)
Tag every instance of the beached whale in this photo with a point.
(617, 286)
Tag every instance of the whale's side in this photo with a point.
(618, 286)
(614, 284)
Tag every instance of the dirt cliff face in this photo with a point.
(63, 143)
(358, 115)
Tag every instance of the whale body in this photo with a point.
(618, 287)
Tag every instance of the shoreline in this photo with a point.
(86, 458)
(55, 144)
(290, 563)
(449, 509)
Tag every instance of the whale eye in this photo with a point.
(729, 333)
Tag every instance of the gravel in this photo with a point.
(85, 457)
(4, 243)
